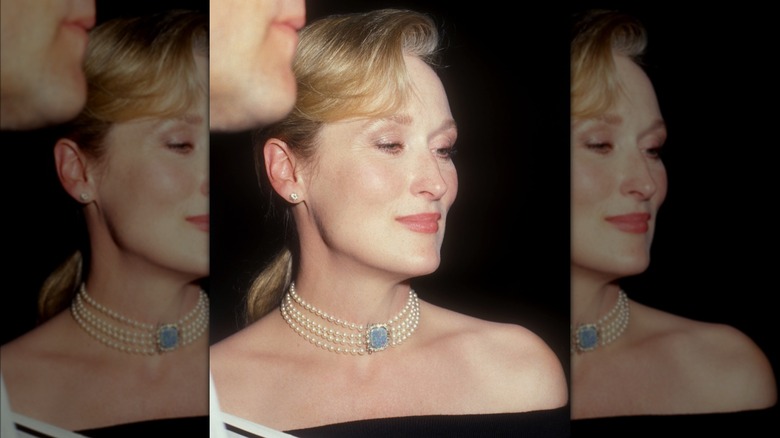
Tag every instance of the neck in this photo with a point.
(345, 287)
(141, 292)
(134, 286)
(357, 299)
(592, 295)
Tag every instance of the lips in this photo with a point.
(421, 223)
(296, 23)
(637, 223)
(84, 20)
(200, 221)
(80, 26)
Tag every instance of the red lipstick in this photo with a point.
(637, 223)
(200, 221)
(421, 223)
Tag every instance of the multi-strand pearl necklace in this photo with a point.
(130, 336)
(357, 339)
(606, 330)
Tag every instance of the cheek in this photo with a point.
(342, 196)
(167, 183)
(451, 177)
(152, 186)
(587, 182)
(362, 184)
(662, 185)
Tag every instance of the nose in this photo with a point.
(639, 180)
(428, 178)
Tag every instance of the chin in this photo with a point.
(615, 265)
(70, 98)
(631, 265)
(424, 265)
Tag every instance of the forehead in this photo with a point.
(636, 95)
(427, 89)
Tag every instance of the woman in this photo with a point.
(363, 169)
(657, 363)
(126, 314)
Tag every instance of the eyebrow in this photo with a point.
(659, 124)
(189, 119)
(610, 119)
(615, 119)
(405, 119)
(192, 119)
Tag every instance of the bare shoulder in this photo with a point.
(733, 359)
(38, 365)
(506, 357)
(233, 354)
(38, 347)
(727, 366)
(235, 361)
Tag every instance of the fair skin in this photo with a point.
(662, 364)
(42, 46)
(147, 219)
(252, 45)
(363, 238)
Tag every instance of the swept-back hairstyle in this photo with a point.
(346, 66)
(135, 67)
(596, 36)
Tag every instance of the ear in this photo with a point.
(280, 166)
(72, 170)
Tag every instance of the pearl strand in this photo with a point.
(614, 323)
(136, 337)
(356, 340)
(607, 329)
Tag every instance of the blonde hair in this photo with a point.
(346, 66)
(135, 67)
(597, 36)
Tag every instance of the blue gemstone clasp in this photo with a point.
(586, 337)
(168, 337)
(377, 337)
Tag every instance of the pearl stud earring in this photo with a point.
(293, 197)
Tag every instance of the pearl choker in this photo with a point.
(607, 329)
(357, 339)
(130, 336)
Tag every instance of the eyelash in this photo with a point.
(655, 152)
(391, 148)
(183, 147)
(600, 147)
(445, 153)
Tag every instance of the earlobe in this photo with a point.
(280, 166)
(72, 170)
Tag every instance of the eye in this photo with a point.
(180, 147)
(654, 152)
(599, 147)
(390, 148)
(446, 153)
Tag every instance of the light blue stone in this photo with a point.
(587, 337)
(168, 337)
(377, 338)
